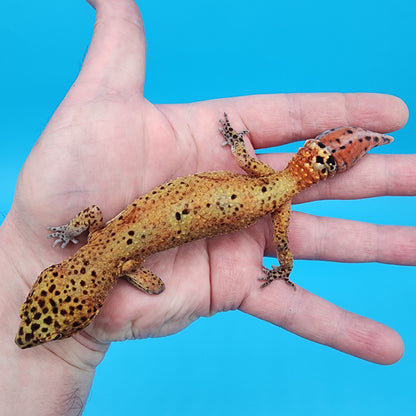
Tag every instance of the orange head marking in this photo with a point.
(349, 144)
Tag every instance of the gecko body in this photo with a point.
(67, 296)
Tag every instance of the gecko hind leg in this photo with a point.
(90, 219)
(235, 140)
(142, 278)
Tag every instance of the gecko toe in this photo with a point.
(276, 272)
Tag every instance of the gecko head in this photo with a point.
(321, 158)
(349, 144)
(52, 310)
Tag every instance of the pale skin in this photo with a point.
(106, 145)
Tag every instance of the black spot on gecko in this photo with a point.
(129, 241)
(233, 196)
(34, 327)
(28, 337)
(48, 320)
(178, 216)
(264, 189)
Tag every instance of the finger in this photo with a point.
(282, 118)
(115, 62)
(316, 319)
(331, 239)
(375, 175)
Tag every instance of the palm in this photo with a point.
(111, 166)
(107, 148)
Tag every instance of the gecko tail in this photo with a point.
(349, 144)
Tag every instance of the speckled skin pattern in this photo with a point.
(67, 296)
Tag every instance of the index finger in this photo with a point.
(277, 119)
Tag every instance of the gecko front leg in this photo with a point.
(281, 219)
(251, 165)
(90, 219)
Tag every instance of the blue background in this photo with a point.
(232, 363)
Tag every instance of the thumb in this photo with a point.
(115, 62)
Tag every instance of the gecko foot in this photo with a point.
(230, 135)
(64, 234)
(90, 218)
(277, 272)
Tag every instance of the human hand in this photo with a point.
(106, 145)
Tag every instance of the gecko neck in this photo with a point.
(302, 170)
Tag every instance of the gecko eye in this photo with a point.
(332, 164)
(325, 163)
(322, 160)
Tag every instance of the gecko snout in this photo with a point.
(349, 144)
